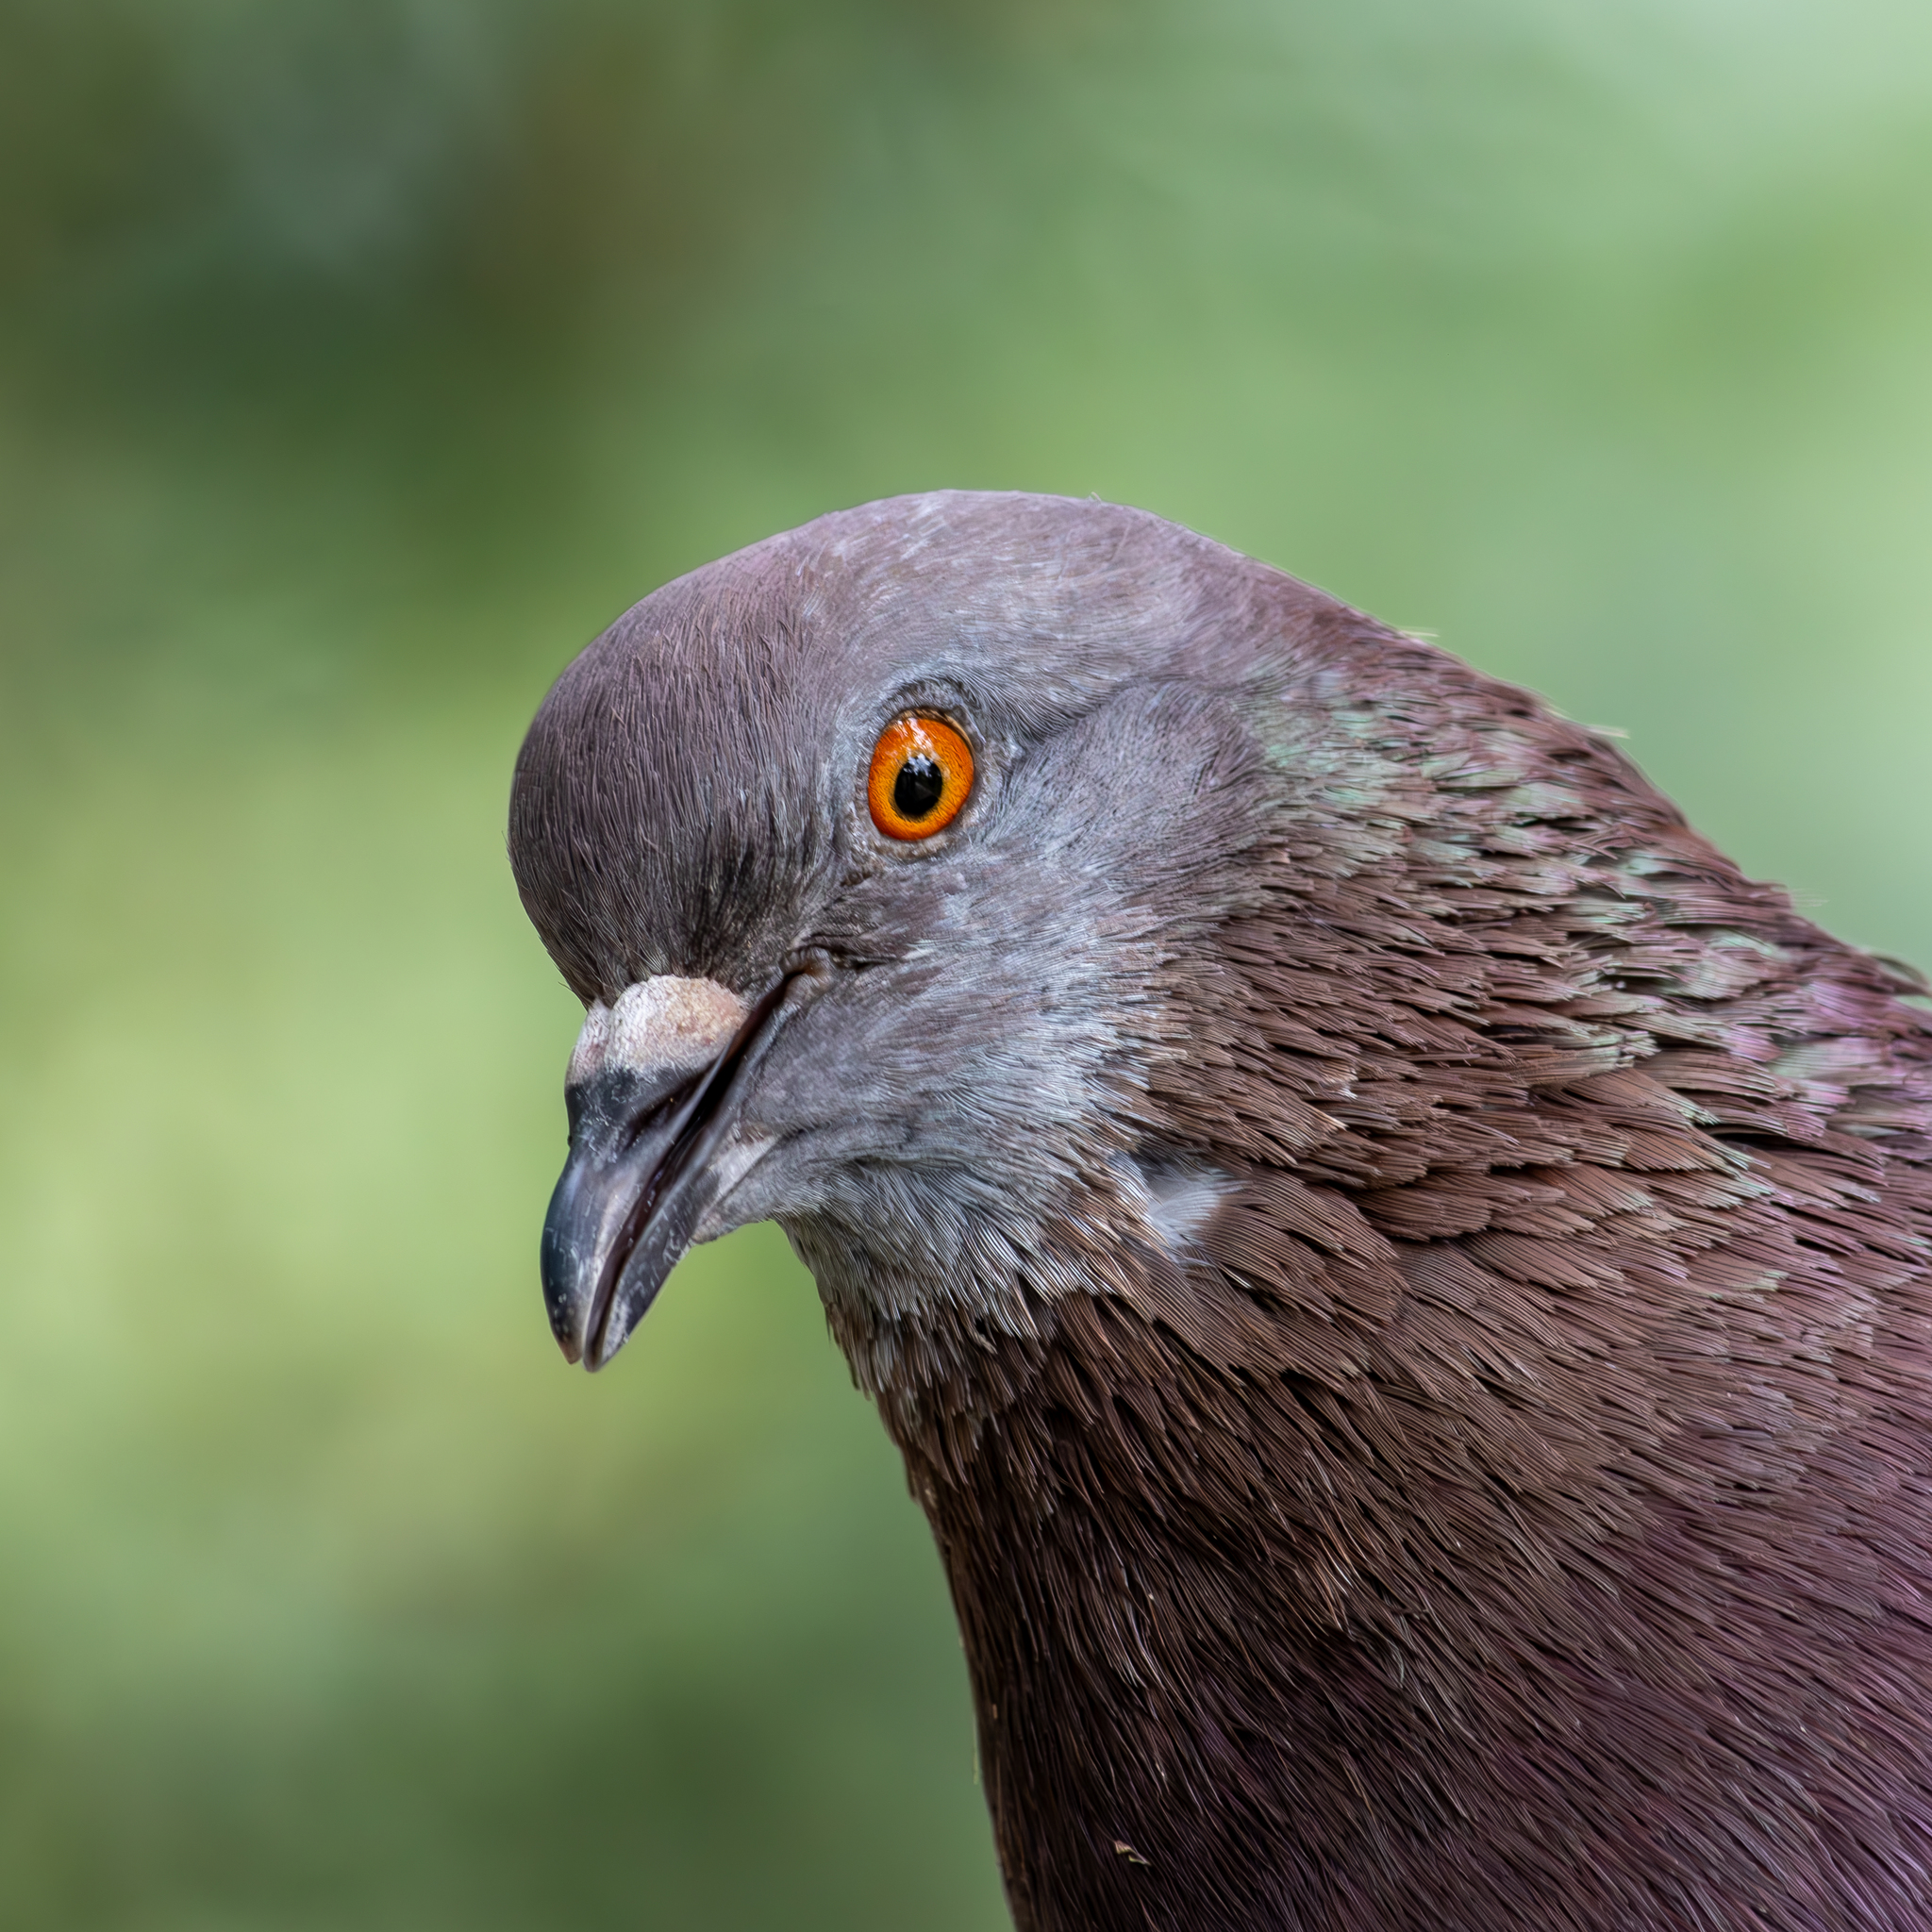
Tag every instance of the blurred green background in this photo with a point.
(358, 360)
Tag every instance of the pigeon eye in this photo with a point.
(922, 770)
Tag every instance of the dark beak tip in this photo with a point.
(563, 1326)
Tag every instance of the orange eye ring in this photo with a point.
(922, 771)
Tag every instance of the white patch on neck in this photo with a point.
(657, 1026)
(1179, 1196)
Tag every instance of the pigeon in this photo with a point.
(1398, 1274)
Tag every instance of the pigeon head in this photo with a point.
(912, 1013)
(1399, 1275)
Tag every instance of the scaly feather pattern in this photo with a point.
(1533, 1452)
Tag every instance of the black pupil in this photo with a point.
(917, 788)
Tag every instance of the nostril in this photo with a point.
(640, 1124)
(614, 1107)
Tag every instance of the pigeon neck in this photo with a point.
(1180, 1696)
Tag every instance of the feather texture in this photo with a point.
(1498, 1495)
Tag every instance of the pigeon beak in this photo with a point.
(654, 1091)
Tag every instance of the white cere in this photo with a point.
(661, 1025)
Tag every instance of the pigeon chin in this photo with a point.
(656, 1150)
